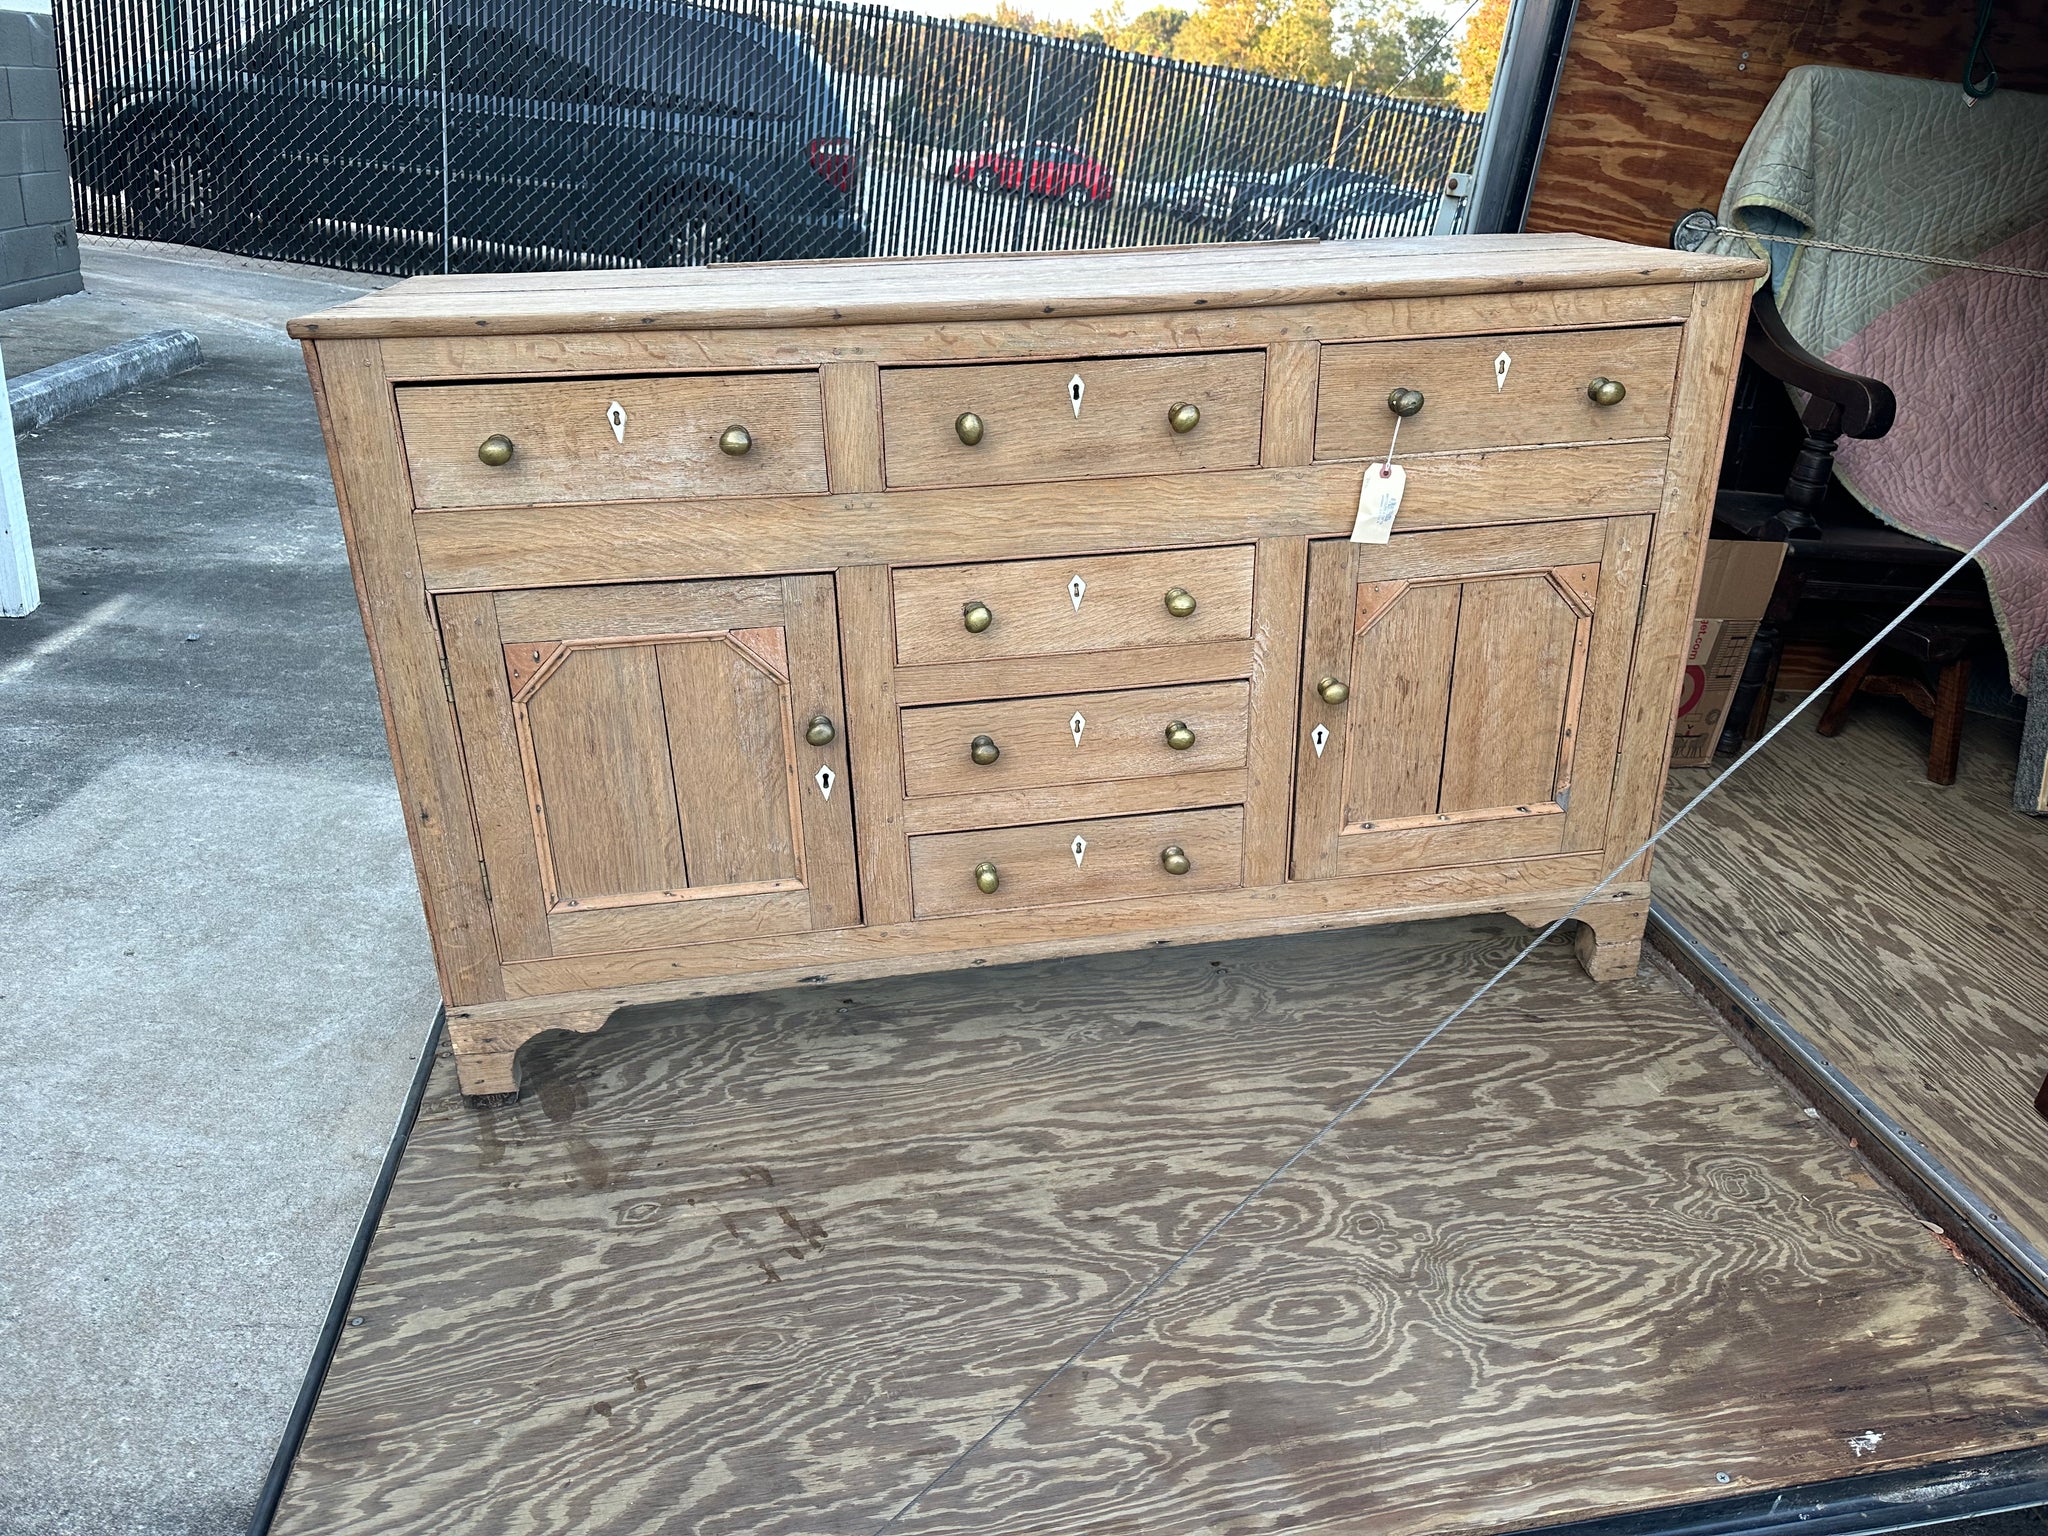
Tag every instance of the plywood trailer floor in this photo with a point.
(1897, 924)
(771, 1271)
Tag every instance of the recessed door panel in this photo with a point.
(639, 782)
(1462, 694)
(592, 729)
(1520, 643)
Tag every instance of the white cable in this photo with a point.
(1163, 1275)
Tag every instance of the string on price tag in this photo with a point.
(1379, 497)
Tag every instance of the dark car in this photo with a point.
(645, 130)
(1327, 204)
(1047, 170)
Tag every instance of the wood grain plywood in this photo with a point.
(1896, 924)
(765, 1264)
(1656, 99)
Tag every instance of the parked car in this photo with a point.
(1324, 203)
(1220, 198)
(657, 131)
(1044, 170)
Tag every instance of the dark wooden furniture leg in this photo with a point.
(1951, 693)
(1835, 713)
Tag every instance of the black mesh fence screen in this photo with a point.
(410, 136)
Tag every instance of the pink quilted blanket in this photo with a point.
(1968, 356)
(1911, 165)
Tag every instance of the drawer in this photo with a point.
(1061, 606)
(1030, 429)
(1074, 738)
(1469, 402)
(1062, 862)
(569, 444)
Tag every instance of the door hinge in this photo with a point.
(484, 873)
(447, 682)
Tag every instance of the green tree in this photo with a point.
(1150, 31)
(1479, 53)
(1288, 38)
(1018, 19)
(1397, 48)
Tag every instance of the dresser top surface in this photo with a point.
(1007, 287)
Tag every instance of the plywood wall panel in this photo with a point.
(1658, 96)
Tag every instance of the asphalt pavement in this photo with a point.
(214, 978)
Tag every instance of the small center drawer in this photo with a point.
(1075, 738)
(1070, 861)
(1496, 391)
(1003, 423)
(1062, 606)
(562, 441)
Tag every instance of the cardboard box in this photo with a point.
(1734, 592)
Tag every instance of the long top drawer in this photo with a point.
(565, 441)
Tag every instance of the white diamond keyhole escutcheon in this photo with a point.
(1080, 847)
(1075, 388)
(1076, 589)
(1501, 365)
(1077, 725)
(1320, 737)
(617, 417)
(826, 778)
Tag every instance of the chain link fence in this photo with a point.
(407, 136)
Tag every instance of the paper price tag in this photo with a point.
(1378, 500)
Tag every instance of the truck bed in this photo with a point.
(773, 1270)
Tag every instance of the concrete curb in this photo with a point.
(51, 393)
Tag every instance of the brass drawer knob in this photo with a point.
(1607, 391)
(986, 878)
(967, 427)
(821, 732)
(1404, 402)
(735, 441)
(1332, 690)
(976, 617)
(1174, 860)
(1180, 602)
(983, 750)
(1179, 736)
(1184, 417)
(495, 450)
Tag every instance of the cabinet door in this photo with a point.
(1485, 669)
(641, 766)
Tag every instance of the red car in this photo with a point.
(1046, 170)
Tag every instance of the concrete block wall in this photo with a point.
(38, 240)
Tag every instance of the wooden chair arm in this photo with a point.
(1841, 403)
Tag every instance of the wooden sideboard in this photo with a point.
(785, 624)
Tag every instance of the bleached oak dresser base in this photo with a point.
(781, 625)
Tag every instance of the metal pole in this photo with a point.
(19, 593)
(1343, 106)
(441, 47)
(1030, 138)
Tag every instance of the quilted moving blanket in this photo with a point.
(1913, 165)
